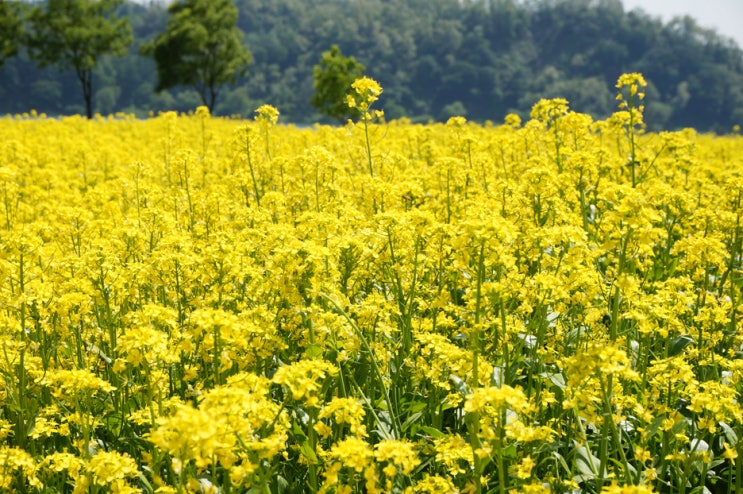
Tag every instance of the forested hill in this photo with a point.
(434, 58)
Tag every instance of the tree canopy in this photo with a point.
(333, 77)
(200, 47)
(435, 58)
(74, 35)
(10, 30)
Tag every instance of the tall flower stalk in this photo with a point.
(365, 92)
(630, 99)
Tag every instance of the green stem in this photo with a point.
(368, 145)
(217, 350)
(380, 379)
(605, 431)
(448, 196)
(268, 146)
(502, 479)
(21, 433)
(250, 166)
(631, 134)
(313, 444)
(478, 302)
(739, 468)
(473, 420)
(558, 142)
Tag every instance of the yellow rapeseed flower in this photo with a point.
(267, 114)
(305, 378)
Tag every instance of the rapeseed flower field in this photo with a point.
(199, 304)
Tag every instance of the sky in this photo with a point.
(724, 16)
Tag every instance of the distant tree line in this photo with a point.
(481, 59)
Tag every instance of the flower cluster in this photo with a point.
(197, 304)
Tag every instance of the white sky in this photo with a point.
(724, 16)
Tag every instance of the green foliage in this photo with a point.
(492, 57)
(74, 35)
(200, 47)
(333, 77)
(10, 30)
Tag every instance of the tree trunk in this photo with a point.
(212, 97)
(85, 76)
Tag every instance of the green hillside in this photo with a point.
(435, 58)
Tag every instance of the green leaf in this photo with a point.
(678, 344)
(384, 427)
(308, 452)
(417, 406)
(730, 436)
(145, 484)
(411, 420)
(313, 352)
(432, 432)
(588, 465)
(555, 378)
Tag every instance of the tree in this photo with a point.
(200, 47)
(75, 34)
(496, 59)
(333, 78)
(10, 30)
